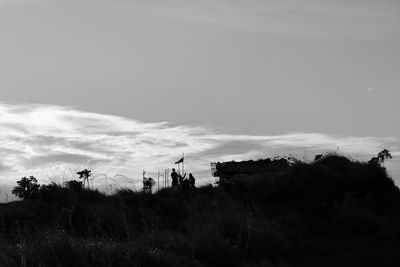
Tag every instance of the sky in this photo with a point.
(122, 85)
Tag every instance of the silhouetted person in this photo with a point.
(185, 183)
(174, 177)
(192, 181)
(181, 179)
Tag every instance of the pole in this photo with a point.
(183, 164)
(106, 186)
(144, 172)
(158, 181)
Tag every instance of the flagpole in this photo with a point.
(183, 164)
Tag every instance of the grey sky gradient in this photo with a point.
(238, 67)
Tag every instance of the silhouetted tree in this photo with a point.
(382, 156)
(85, 174)
(26, 188)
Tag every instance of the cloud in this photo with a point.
(58, 158)
(4, 168)
(47, 141)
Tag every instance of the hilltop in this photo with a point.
(330, 212)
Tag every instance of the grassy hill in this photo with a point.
(332, 212)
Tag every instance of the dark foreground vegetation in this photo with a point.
(332, 212)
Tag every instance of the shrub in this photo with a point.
(26, 188)
(74, 185)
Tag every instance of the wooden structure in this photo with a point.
(225, 171)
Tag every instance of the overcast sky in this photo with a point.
(228, 76)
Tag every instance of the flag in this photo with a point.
(179, 161)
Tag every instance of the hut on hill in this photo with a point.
(225, 171)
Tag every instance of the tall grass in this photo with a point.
(303, 215)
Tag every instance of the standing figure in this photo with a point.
(148, 184)
(174, 177)
(181, 179)
(192, 181)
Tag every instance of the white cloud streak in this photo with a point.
(46, 141)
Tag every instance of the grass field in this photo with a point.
(332, 212)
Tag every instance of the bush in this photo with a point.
(26, 188)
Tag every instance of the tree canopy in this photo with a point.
(26, 188)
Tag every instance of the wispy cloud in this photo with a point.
(46, 141)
